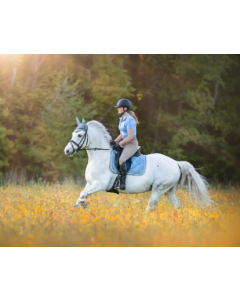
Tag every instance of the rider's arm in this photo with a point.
(128, 138)
(119, 138)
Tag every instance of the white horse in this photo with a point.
(162, 174)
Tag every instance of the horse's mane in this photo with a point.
(102, 129)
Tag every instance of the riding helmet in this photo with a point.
(124, 103)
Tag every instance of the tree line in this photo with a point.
(187, 106)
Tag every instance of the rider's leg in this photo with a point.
(123, 173)
(120, 184)
(128, 150)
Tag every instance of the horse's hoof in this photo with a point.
(85, 206)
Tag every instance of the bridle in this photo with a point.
(79, 145)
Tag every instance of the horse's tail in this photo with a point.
(197, 184)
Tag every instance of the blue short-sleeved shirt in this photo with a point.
(127, 123)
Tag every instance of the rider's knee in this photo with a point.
(120, 161)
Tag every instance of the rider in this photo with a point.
(127, 138)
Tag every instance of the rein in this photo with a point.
(80, 146)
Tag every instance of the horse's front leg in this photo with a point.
(83, 196)
(89, 189)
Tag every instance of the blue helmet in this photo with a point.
(124, 103)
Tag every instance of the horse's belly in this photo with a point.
(135, 189)
(138, 184)
(159, 169)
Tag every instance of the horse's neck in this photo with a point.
(96, 140)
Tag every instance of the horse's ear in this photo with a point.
(83, 121)
(78, 122)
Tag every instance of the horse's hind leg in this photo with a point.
(173, 198)
(157, 192)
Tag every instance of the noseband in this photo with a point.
(80, 144)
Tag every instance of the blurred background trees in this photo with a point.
(187, 105)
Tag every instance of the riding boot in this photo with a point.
(121, 178)
(117, 182)
(123, 172)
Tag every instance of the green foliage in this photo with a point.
(199, 100)
(4, 143)
(188, 108)
(36, 122)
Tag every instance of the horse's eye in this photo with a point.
(79, 135)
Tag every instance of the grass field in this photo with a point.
(38, 214)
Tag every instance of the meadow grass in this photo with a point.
(43, 214)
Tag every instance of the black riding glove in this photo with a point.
(112, 142)
(116, 146)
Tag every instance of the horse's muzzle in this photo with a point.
(68, 153)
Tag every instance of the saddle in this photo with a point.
(129, 161)
(137, 165)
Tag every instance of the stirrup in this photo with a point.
(121, 183)
(118, 182)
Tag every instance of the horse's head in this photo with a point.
(79, 139)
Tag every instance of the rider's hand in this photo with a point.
(116, 146)
(112, 142)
